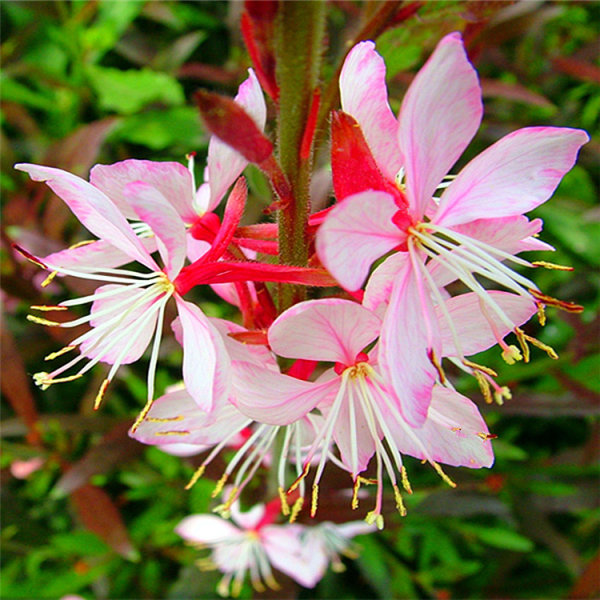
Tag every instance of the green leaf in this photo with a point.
(112, 20)
(127, 92)
(498, 537)
(13, 91)
(373, 566)
(79, 543)
(177, 128)
(584, 371)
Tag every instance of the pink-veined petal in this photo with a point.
(154, 209)
(175, 418)
(240, 352)
(408, 333)
(450, 433)
(206, 364)
(344, 433)
(284, 549)
(93, 208)
(207, 529)
(276, 399)
(354, 528)
(195, 248)
(356, 233)
(173, 180)
(97, 254)
(474, 331)
(380, 284)
(224, 163)
(440, 114)
(248, 519)
(130, 306)
(329, 329)
(511, 177)
(363, 94)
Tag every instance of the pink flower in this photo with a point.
(175, 421)
(358, 410)
(128, 311)
(325, 543)
(471, 229)
(249, 545)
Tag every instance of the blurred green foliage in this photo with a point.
(99, 81)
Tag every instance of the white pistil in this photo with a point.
(415, 261)
(442, 305)
(353, 445)
(487, 265)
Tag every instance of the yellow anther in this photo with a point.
(442, 474)
(296, 508)
(405, 481)
(299, 478)
(355, 489)
(537, 343)
(172, 432)
(478, 367)
(523, 343)
(205, 564)
(80, 244)
(511, 354)
(552, 266)
(41, 321)
(142, 415)
(47, 307)
(197, 474)
(236, 588)
(484, 386)
(438, 366)
(550, 301)
(375, 517)
(49, 279)
(223, 587)
(100, 394)
(165, 419)
(399, 502)
(257, 585)
(41, 380)
(58, 353)
(314, 499)
(541, 313)
(285, 507)
(502, 394)
(220, 485)
(272, 582)
(337, 566)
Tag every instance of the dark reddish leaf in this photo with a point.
(588, 584)
(16, 384)
(99, 514)
(513, 91)
(115, 448)
(233, 125)
(576, 68)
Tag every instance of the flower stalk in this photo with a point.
(298, 60)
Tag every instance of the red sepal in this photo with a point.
(353, 166)
(257, 27)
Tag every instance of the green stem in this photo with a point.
(299, 31)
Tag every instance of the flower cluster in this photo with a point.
(405, 255)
